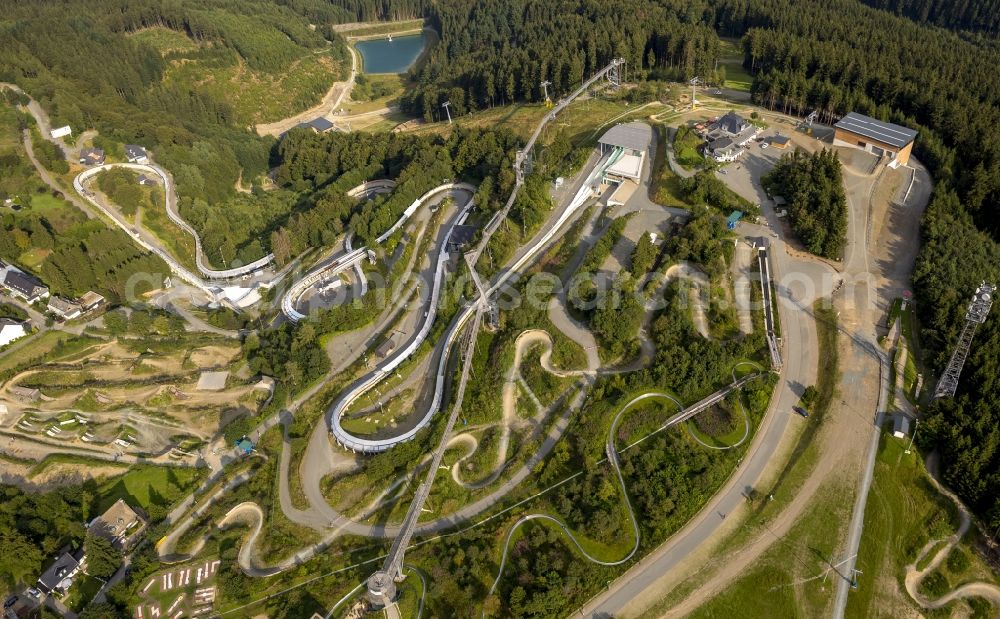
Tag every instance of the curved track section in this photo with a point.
(915, 576)
(612, 454)
(172, 213)
(467, 311)
(362, 386)
(352, 258)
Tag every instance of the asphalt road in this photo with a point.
(800, 355)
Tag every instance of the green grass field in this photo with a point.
(904, 512)
(793, 578)
(149, 486)
(165, 40)
(384, 28)
(387, 87)
(737, 77)
(686, 144)
(733, 602)
(85, 587)
(178, 242)
(41, 346)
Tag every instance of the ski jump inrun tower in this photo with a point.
(976, 315)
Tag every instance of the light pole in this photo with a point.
(446, 105)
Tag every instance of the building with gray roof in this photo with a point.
(878, 137)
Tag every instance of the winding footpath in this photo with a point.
(915, 576)
(524, 341)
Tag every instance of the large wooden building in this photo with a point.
(876, 137)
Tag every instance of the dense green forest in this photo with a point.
(981, 15)
(496, 51)
(817, 207)
(324, 166)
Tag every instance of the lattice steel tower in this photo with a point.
(976, 315)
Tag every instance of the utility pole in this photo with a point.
(446, 105)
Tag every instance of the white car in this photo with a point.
(763, 144)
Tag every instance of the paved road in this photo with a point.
(799, 333)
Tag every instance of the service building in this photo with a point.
(880, 138)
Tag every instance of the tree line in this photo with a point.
(979, 15)
(837, 56)
(323, 167)
(813, 186)
(496, 52)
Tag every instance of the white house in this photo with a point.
(136, 154)
(11, 330)
(64, 308)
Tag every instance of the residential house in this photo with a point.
(136, 154)
(120, 524)
(146, 181)
(11, 330)
(58, 578)
(24, 286)
(64, 308)
(92, 156)
(90, 300)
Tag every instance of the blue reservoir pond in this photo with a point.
(395, 56)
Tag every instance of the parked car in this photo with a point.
(801, 411)
(763, 144)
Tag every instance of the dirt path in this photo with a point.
(524, 341)
(741, 286)
(915, 576)
(328, 106)
(846, 431)
(697, 293)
